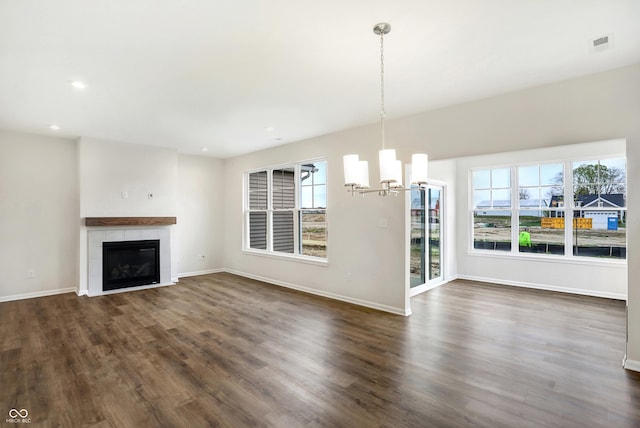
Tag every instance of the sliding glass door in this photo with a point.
(425, 264)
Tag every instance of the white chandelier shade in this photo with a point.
(356, 171)
(388, 166)
(419, 168)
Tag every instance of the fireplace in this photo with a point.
(130, 264)
(99, 236)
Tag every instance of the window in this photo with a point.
(313, 210)
(283, 202)
(541, 209)
(425, 260)
(418, 237)
(286, 210)
(595, 223)
(258, 210)
(600, 201)
(492, 209)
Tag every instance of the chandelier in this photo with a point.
(356, 171)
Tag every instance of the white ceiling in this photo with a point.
(216, 74)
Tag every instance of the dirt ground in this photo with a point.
(314, 235)
(586, 237)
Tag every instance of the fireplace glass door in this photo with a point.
(130, 264)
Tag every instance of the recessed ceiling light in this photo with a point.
(269, 129)
(204, 149)
(54, 127)
(78, 84)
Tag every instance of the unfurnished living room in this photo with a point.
(326, 214)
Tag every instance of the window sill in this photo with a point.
(576, 260)
(289, 257)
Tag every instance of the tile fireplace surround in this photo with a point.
(96, 236)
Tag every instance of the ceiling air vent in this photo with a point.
(601, 43)
(604, 40)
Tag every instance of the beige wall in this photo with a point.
(107, 169)
(183, 186)
(199, 231)
(115, 181)
(48, 185)
(366, 262)
(38, 215)
(595, 277)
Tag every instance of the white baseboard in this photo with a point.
(37, 294)
(631, 364)
(427, 287)
(546, 287)
(334, 296)
(200, 272)
(628, 364)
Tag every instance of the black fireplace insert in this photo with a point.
(130, 264)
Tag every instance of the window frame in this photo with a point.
(559, 209)
(491, 208)
(567, 209)
(296, 211)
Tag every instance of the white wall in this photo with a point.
(38, 215)
(106, 170)
(188, 187)
(605, 278)
(200, 217)
(365, 262)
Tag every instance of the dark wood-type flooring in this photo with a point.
(220, 350)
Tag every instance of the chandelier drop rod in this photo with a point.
(382, 112)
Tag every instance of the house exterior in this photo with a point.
(596, 207)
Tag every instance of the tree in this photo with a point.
(593, 179)
(523, 194)
(598, 179)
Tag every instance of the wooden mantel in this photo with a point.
(130, 221)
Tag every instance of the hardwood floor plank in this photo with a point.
(221, 350)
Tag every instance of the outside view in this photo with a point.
(598, 228)
(492, 214)
(288, 209)
(425, 235)
(313, 209)
(314, 234)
